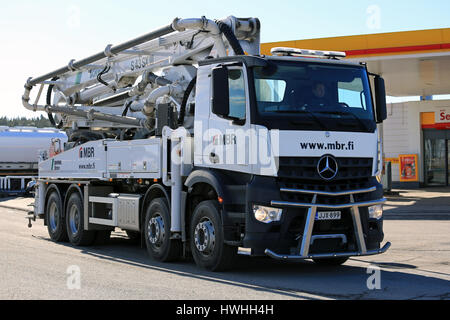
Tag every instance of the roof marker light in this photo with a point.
(285, 51)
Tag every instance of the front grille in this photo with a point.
(301, 173)
(306, 168)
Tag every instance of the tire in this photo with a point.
(157, 232)
(331, 261)
(56, 225)
(207, 239)
(75, 222)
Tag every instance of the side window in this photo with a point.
(352, 94)
(270, 90)
(236, 85)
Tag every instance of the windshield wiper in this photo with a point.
(344, 113)
(304, 111)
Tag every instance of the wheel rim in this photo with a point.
(74, 219)
(53, 216)
(156, 230)
(205, 236)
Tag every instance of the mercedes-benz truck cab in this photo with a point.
(314, 190)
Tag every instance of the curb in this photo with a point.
(417, 217)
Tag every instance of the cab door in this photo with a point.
(228, 135)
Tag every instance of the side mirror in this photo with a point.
(380, 99)
(220, 92)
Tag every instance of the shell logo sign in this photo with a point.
(442, 116)
(440, 119)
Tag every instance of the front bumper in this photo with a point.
(275, 240)
(276, 256)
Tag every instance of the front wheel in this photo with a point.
(207, 239)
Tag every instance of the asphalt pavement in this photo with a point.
(417, 266)
(427, 203)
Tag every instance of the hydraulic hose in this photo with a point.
(232, 40)
(49, 102)
(127, 107)
(85, 136)
(186, 95)
(99, 76)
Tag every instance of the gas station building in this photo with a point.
(416, 134)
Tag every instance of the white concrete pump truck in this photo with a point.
(191, 140)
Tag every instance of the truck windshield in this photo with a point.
(318, 96)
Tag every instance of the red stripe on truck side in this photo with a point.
(398, 49)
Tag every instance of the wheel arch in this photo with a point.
(207, 177)
(203, 185)
(156, 190)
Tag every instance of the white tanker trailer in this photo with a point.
(20, 148)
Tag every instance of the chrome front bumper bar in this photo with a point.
(305, 239)
(274, 255)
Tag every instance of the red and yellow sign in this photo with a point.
(408, 167)
(379, 44)
(442, 116)
(392, 160)
(440, 119)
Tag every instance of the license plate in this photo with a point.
(328, 215)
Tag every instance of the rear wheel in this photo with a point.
(157, 232)
(207, 239)
(331, 261)
(75, 222)
(55, 220)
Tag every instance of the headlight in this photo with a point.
(31, 184)
(379, 177)
(376, 212)
(266, 214)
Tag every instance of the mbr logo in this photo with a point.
(86, 152)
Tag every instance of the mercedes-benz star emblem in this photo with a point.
(327, 167)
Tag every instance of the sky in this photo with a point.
(40, 36)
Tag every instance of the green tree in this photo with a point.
(38, 122)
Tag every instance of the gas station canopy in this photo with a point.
(413, 63)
